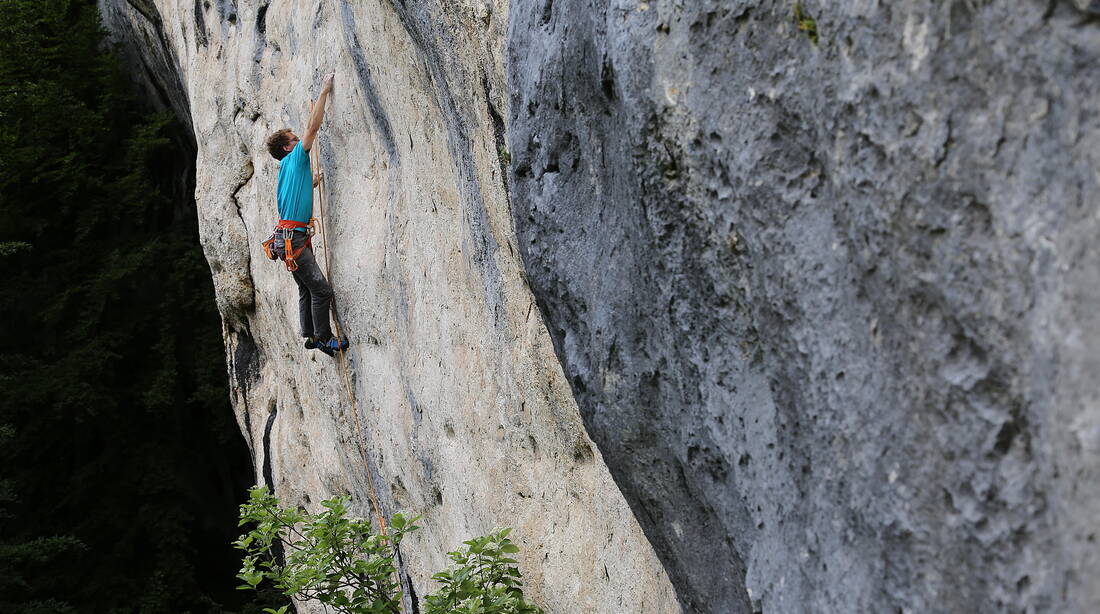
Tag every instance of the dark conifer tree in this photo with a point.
(120, 460)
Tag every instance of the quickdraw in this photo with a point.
(284, 231)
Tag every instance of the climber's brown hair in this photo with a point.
(277, 141)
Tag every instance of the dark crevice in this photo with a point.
(412, 595)
(200, 25)
(269, 480)
(607, 79)
(503, 156)
(245, 361)
(247, 415)
(408, 596)
(261, 20)
(261, 42)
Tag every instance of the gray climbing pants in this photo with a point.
(314, 292)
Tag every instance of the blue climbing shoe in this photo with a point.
(333, 345)
(311, 344)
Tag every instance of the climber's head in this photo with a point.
(281, 143)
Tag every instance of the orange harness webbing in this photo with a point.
(285, 230)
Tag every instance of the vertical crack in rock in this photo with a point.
(257, 72)
(261, 23)
(484, 242)
(200, 24)
(244, 373)
(410, 590)
(248, 170)
(500, 135)
(244, 361)
(247, 420)
(268, 475)
(366, 82)
(269, 478)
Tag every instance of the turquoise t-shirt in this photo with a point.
(295, 193)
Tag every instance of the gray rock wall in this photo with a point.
(822, 297)
(827, 296)
(463, 414)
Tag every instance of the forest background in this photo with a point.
(120, 464)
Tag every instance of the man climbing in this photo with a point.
(291, 241)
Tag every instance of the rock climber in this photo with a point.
(291, 241)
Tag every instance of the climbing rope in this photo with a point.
(377, 508)
(339, 335)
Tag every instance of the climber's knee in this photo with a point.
(323, 290)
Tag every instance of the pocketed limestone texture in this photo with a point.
(464, 415)
(824, 279)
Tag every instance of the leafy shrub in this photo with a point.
(482, 580)
(340, 562)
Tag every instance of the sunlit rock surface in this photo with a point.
(465, 414)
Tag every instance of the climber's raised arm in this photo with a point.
(318, 114)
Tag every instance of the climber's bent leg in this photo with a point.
(305, 297)
(320, 294)
(305, 308)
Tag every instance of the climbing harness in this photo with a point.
(284, 231)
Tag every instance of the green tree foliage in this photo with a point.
(328, 557)
(339, 561)
(481, 580)
(111, 361)
(23, 563)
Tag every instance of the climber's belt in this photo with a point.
(283, 236)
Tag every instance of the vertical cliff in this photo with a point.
(823, 278)
(817, 279)
(466, 416)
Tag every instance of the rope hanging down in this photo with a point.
(320, 230)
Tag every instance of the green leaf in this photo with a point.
(397, 522)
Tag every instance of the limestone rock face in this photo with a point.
(824, 279)
(462, 411)
(818, 279)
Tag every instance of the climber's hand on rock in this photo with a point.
(326, 85)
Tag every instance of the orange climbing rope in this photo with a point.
(339, 335)
(320, 230)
